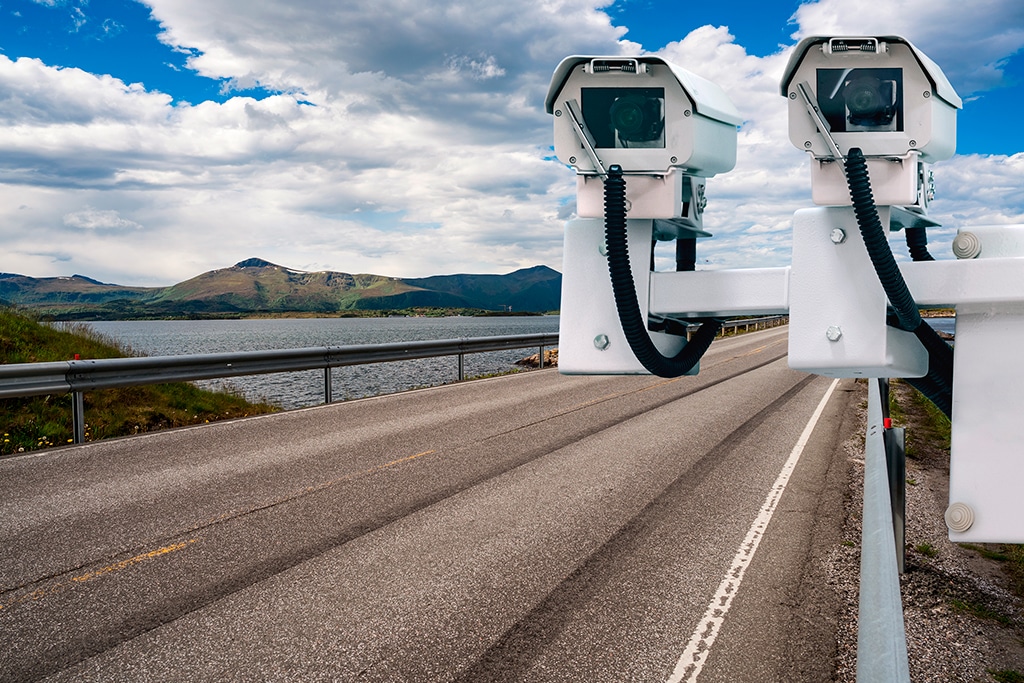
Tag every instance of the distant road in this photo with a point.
(532, 527)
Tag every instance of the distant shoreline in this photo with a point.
(108, 315)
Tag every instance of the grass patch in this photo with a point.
(931, 427)
(37, 422)
(1006, 675)
(1011, 554)
(928, 436)
(988, 553)
(981, 611)
(926, 549)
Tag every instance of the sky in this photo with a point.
(142, 143)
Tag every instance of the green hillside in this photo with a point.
(42, 421)
(74, 290)
(256, 287)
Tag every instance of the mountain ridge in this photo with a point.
(256, 286)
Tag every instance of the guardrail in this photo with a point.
(881, 636)
(754, 323)
(79, 376)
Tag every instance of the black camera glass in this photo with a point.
(625, 117)
(861, 99)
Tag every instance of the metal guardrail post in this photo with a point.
(881, 636)
(328, 389)
(78, 416)
(896, 468)
(462, 367)
(540, 358)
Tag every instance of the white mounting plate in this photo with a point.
(986, 453)
(588, 305)
(837, 308)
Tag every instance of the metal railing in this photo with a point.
(881, 636)
(79, 376)
(754, 323)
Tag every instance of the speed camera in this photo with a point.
(879, 94)
(660, 123)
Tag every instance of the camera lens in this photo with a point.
(637, 118)
(870, 101)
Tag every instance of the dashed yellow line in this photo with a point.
(109, 569)
(124, 564)
(175, 547)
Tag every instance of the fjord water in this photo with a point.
(297, 389)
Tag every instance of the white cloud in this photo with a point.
(96, 219)
(971, 41)
(408, 139)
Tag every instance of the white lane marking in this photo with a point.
(699, 648)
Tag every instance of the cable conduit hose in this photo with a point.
(937, 385)
(917, 244)
(634, 326)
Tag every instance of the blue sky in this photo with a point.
(145, 142)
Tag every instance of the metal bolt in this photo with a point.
(572, 160)
(686, 112)
(927, 94)
(674, 159)
(558, 112)
(792, 95)
(913, 143)
(833, 333)
(807, 144)
(601, 342)
(838, 236)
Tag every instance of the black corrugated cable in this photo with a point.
(634, 327)
(917, 244)
(937, 385)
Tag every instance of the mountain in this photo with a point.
(77, 289)
(529, 289)
(258, 286)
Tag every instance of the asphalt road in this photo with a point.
(533, 527)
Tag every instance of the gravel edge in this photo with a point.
(945, 586)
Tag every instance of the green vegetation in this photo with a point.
(930, 437)
(1007, 676)
(255, 287)
(1011, 554)
(926, 549)
(931, 426)
(43, 421)
(981, 611)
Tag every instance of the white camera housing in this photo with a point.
(880, 94)
(656, 120)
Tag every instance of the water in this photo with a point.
(947, 325)
(296, 389)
